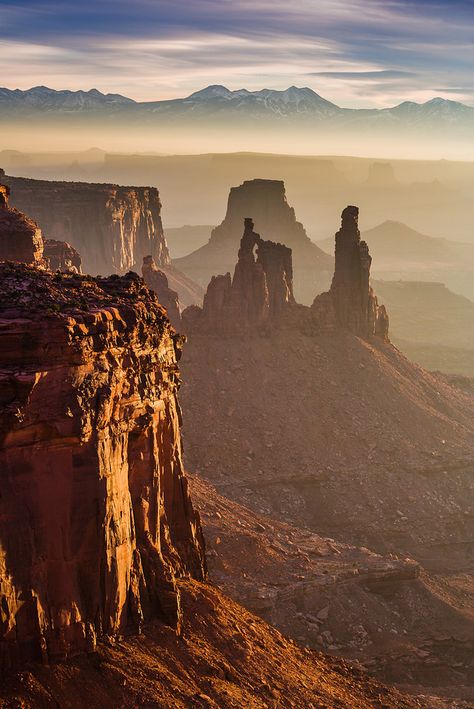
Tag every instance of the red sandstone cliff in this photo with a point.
(96, 522)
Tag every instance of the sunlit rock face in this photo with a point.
(112, 227)
(20, 236)
(96, 523)
(351, 303)
(260, 291)
(157, 281)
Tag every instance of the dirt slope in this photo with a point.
(226, 658)
(404, 625)
(350, 439)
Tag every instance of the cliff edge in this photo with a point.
(91, 464)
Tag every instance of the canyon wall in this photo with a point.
(96, 523)
(112, 227)
(265, 201)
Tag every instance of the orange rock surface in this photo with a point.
(96, 522)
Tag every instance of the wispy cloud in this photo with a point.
(356, 52)
(460, 91)
(365, 75)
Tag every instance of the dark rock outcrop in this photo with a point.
(62, 256)
(96, 523)
(20, 237)
(351, 303)
(259, 293)
(266, 201)
(157, 281)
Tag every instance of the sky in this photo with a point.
(357, 53)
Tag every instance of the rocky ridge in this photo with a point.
(260, 296)
(325, 391)
(91, 461)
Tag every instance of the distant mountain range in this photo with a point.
(218, 102)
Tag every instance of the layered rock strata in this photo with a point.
(20, 237)
(351, 303)
(96, 523)
(157, 281)
(260, 291)
(62, 256)
(112, 227)
(266, 201)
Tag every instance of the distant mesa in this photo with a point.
(112, 227)
(381, 175)
(430, 324)
(265, 201)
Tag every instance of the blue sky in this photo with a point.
(353, 52)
